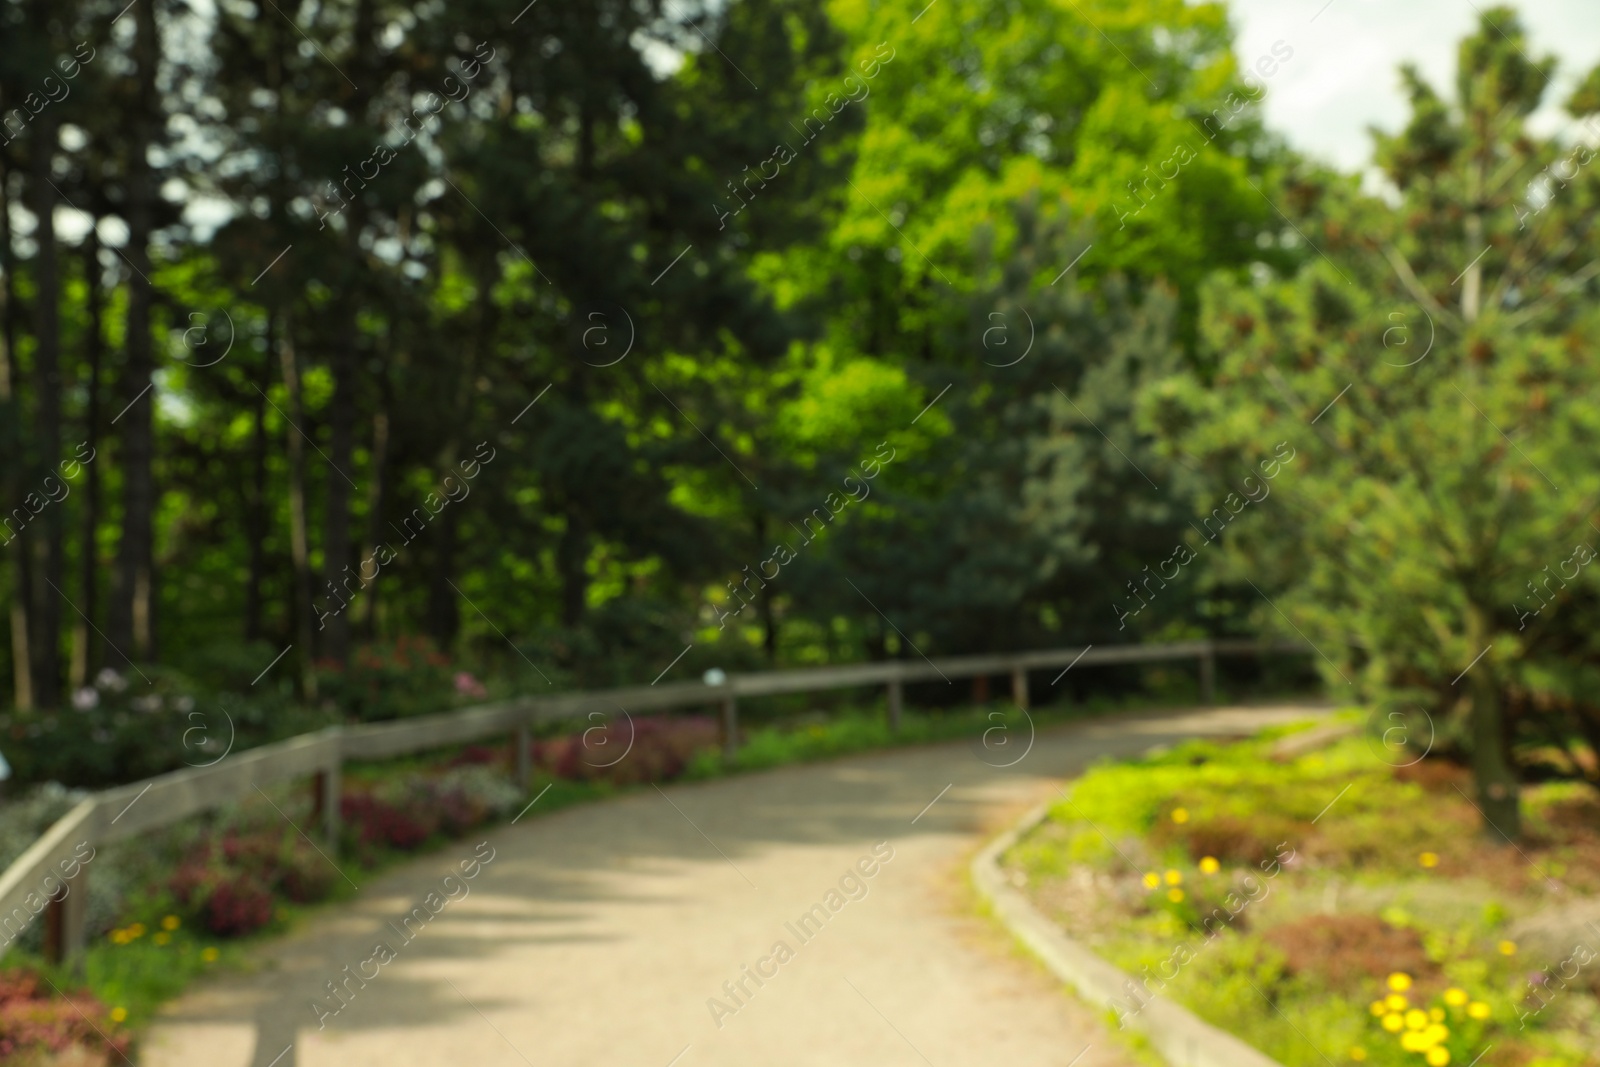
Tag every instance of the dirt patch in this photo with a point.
(1351, 952)
(1436, 775)
(1224, 837)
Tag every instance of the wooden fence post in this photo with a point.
(896, 696)
(521, 766)
(1019, 687)
(1208, 674)
(66, 919)
(730, 727)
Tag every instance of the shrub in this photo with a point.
(376, 823)
(239, 904)
(403, 813)
(118, 729)
(230, 882)
(630, 751)
(34, 1021)
(307, 876)
(394, 680)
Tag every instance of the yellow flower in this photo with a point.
(1438, 1056)
(1478, 1009)
(1429, 859)
(1436, 1014)
(1377, 1007)
(209, 954)
(1416, 1019)
(1399, 981)
(1413, 1041)
(1180, 815)
(118, 1014)
(1358, 1053)
(1210, 865)
(1175, 895)
(137, 930)
(1508, 948)
(1396, 1002)
(1394, 1022)
(1174, 877)
(171, 922)
(1455, 997)
(1152, 880)
(162, 938)
(1435, 1034)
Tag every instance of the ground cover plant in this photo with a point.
(1354, 899)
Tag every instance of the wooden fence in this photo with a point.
(127, 811)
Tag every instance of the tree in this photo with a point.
(1428, 375)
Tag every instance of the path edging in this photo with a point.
(1176, 1033)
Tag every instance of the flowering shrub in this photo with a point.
(628, 751)
(120, 728)
(34, 1020)
(391, 681)
(238, 905)
(377, 822)
(404, 813)
(230, 883)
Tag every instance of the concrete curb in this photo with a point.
(1177, 1034)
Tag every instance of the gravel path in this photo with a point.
(598, 935)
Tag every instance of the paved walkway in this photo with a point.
(597, 935)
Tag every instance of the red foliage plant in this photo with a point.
(238, 905)
(34, 1021)
(377, 822)
(229, 883)
(629, 751)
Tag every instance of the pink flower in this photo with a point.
(467, 685)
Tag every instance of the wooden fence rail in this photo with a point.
(51, 876)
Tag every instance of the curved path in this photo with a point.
(597, 935)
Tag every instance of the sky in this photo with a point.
(1343, 76)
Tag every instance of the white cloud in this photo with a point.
(1344, 74)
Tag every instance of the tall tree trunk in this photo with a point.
(85, 653)
(132, 620)
(299, 548)
(375, 505)
(11, 463)
(572, 564)
(49, 531)
(336, 530)
(1496, 780)
(444, 614)
(444, 611)
(255, 515)
(769, 618)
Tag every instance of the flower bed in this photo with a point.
(1332, 909)
(629, 751)
(37, 1024)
